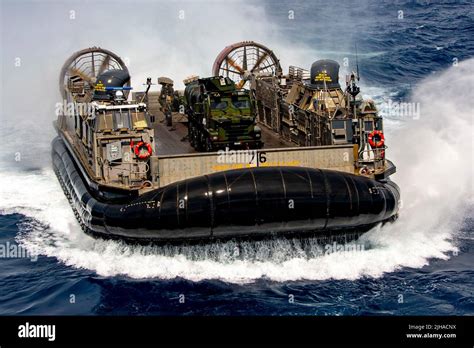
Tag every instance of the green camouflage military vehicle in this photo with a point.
(220, 115)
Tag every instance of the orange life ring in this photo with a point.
(141, 145)
(376, 143)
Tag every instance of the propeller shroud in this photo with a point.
(243, 59)
(79, 73)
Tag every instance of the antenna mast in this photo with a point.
(357, 63)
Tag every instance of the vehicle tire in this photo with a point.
(201, 142)
(192, 135)
(209, 146)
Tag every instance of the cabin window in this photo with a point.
(378, 124)
(368, 125)
(104, 122)
(122, 119)
(241, 104)
(338, 124)
(139, 120)
(218, 105)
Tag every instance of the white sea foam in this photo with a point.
(433, 155)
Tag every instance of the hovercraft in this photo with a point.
(123, 181)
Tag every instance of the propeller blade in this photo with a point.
(83, 76)
(104, 65)
(259, 61)
(234, 65)
(231, 71)
(240, 84)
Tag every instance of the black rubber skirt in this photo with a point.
(246, 203)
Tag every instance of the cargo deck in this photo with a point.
(173, 141)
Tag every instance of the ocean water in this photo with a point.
(415, 52)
